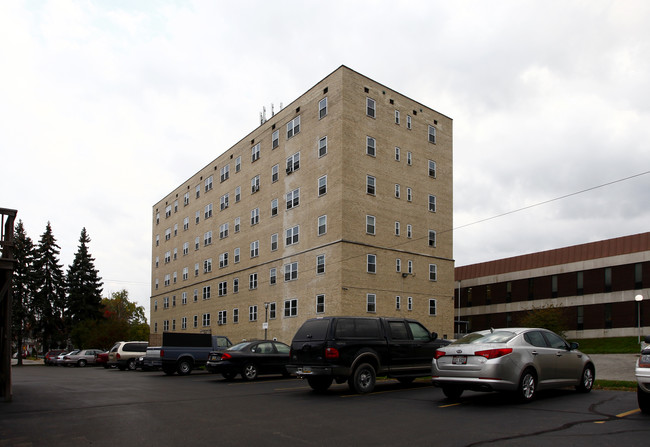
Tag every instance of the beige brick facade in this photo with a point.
(327, 224)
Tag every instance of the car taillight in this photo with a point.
(494, 353)
(117, 356)
(439, 354)
(162, 353)
(331, 353)
(644, 361)
(226, 356)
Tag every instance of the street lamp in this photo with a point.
(638, 300)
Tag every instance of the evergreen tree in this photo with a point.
(49, 297)
(22, 287)
(84, 285)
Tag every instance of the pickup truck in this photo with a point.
(357, 349)
(181, 352)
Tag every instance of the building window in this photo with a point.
(322, 186)
(398, 265)
(638, 276)
(206, 320)
(371, 263)
(293, 198)
(396, 116)
(225, 173)
(167, 280)
(433, 311)
(208, 184)
(237, 224)
(255, 153)
(370, 225)
(223, 260)
(184, 298)
(608, 315)
(580, 323)
(255, 249)
(608, 279)
(238, 164)
(322, 225)
(197, 243)
(273, 276)
(196, 269)
(371, 147)
(293, 127)
(198, 191)
(186, 224)
(291, 307)
(409, 303)
(255, 184)
(207, 265)
(255, 216)
(208, 211)
(206, 292)
(196, 321)
(409, 158)
(186, 273)
(235, 315)
(579, 283)
(398, 155)
(432, 168)
(397, 229)
(237, 194)
(272, 311)
(223, 317)
(223, 230)
(293, 163)
(207, 238)
(432, 203)
(186, 199)
(432, 238)
(275, 173)
(370, 185)
(290, 272)
(196, 295)
(184, 323)
(252, 281)
(223, 288)
(409, 194)
(320, 304)
(397, 191)
(274, 241)
(223, 201)
(292, 235)
(322, 108)
(235, 285)
(370, 107)
(322, 147)
(553, 287)
(197, 218)
(274, 207)
(168, 211)
(432, 134)
(236, 255)
(409, 267)
(320, 264)
(371, 302)
(433, 272)
(275, 139)
(408, 122)
(166, 302)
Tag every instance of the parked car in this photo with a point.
(59, 358)
(250, 359)
(182, 352)
(124, 354)
(102, 359)
(520, 360)
(643, 377)
(151, 361)
(50, 357)
(357, 349)
(81, 358)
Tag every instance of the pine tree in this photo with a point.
(84, 285)
(22, 286)
(49, 297)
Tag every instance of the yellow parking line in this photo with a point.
(627, 413)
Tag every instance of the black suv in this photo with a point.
(356, 349)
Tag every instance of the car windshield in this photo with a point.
(239, 346)
(491, 337)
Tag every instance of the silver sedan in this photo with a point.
(521, 360)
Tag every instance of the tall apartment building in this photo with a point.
(339, 204)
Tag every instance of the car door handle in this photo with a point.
(558, 354)
(534, 352)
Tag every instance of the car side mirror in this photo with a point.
(573, 346)
(434, 335)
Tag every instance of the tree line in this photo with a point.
(63, 310)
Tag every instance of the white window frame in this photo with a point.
(371, 303)
(371, 146)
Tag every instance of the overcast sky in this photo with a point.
(107, 106)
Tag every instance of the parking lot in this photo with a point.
(94, 406)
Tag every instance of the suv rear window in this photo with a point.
(357, 328)
(135, 347)
(312, 330)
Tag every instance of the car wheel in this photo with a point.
(527, 386)
(363, 379)
(586, 380)
(131, 364)
(81, 363)
(184, 367)
(228, 375)
(644, 400)
(452, 392)
(320, 384)
(249, 372)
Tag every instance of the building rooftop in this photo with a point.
(575, 253)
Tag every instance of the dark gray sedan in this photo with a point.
(521, 360)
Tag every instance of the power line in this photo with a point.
(550, 200)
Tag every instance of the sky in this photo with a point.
(107, 106)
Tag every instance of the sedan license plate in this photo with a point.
(304, 370)
(459, 360)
